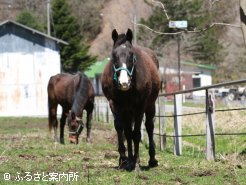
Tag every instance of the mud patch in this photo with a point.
(203, 173)
(3, 159)
(28, 157)
(111, 155)
(78, 152)
(243, 153)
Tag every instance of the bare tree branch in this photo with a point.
(187, 31)
(215, 1)
(163, 7)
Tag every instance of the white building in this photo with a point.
(27, 60)
(192, 76)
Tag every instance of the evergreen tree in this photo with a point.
(27, 18)
(74, 56)
(204, 47)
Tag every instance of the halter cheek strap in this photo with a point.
(124, 68)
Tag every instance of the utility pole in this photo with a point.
(48, 17)
(179, 65)
(180, 25)
(243, 18)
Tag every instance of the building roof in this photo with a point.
(96, 68)
(33, 31)
(199, 65)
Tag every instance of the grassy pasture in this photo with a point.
(27, 146)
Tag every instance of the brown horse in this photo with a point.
(75, 93)
(131, 83)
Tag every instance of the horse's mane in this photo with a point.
(81, 90)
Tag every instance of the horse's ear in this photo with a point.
(129, 35)
(114, 35)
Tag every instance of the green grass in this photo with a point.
(27, 146)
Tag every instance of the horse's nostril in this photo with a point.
(124, 86)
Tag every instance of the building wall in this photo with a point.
(25, 68)
(188, 76)
(205, 80)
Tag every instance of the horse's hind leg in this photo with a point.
(53, 120)
(149, 124)
(62, 125)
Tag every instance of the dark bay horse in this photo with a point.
(131, 83)
(74, 93)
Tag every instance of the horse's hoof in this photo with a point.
(88, 140)
(130, 166)
(153, 163)
(123, 161)
(123, 164)
(137, 167)
(62, 141)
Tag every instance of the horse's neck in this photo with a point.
(80, 96)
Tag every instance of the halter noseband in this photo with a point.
(79, 129)
(124, 68)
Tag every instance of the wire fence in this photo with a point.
(168, 120)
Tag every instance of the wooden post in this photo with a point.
(98, 111)
(177, 124)
(95, 111)
(161, 120)
(210, 135)
(107, 113)
(243, 18)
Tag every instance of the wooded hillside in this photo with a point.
(98, 18)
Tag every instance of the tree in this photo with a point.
(89, 16)
(204, 47)
(28, 19)
(74, 56)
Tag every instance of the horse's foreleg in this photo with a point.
(88, 126)
(149, 124)
(121, 147)
(129, 137)
(62, 125)
(137, 138)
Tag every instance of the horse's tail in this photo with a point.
(49, 89)
(49, 115)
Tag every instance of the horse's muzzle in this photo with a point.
(73, 138)
(124, 86)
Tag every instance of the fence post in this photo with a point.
(98, 111)
(210, 135)
(107, 113)
(161, 120)
(95, 110)
(177, 124)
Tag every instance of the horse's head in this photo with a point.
(123, 59)
(75, 126)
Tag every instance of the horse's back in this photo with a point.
(151, 62)
(150, 53)
(61, 87)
